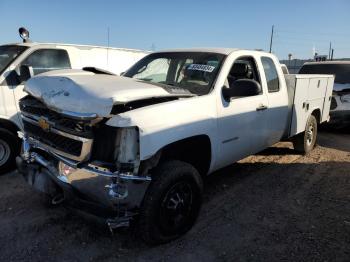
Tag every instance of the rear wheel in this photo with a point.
(9, 149)
(172, 202)
(306, 141)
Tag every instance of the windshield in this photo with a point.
(193, 71)
(8, 53)
(341, 71)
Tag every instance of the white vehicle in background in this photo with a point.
(135, 148)
(284, 69)
(340, 106)
(18, 62)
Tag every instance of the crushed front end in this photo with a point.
(79, 159)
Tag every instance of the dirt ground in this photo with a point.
(276, 205)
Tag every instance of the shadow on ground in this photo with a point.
(335, 137)
(252, 211)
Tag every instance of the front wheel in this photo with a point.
(306, 141)
(9, 149)
(172, 202)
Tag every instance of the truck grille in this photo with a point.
(67, 137)
(32, 106)
(53, 140)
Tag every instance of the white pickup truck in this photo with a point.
(135, 148)
(21, 60)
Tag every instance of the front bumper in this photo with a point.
(86, 187)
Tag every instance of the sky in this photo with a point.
(300, 26)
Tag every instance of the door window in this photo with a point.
(44, 60)
(243, 68)
(273, 84)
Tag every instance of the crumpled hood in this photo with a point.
(88, 93)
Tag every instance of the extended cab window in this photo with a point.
(44, 60)
(273, 83)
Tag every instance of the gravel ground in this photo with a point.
(276, 205)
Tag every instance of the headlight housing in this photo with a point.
(127, 150)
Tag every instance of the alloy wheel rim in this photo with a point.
(176, 207)
(4, 152)
(310, 135)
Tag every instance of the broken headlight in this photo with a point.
(127, 149)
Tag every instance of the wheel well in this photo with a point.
(8, 125)
(195, 150)
(317, 114)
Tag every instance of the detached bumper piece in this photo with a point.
(113, 196)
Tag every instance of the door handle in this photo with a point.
(261, 107)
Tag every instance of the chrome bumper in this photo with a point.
(114, 190)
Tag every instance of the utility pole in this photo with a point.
(330, 50)
(332, 54)
(271, 39)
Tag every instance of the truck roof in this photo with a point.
(77, 45)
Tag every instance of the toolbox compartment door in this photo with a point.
(307, 93)
(299, 112)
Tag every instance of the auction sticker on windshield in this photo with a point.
(198, 67)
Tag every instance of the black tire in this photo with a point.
(306, 141)
(9, 149)
(162, 219)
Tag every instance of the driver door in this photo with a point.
(242, 121)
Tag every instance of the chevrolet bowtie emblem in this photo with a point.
(44, 124)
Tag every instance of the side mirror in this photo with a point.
(25, 72)
(242, 88)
